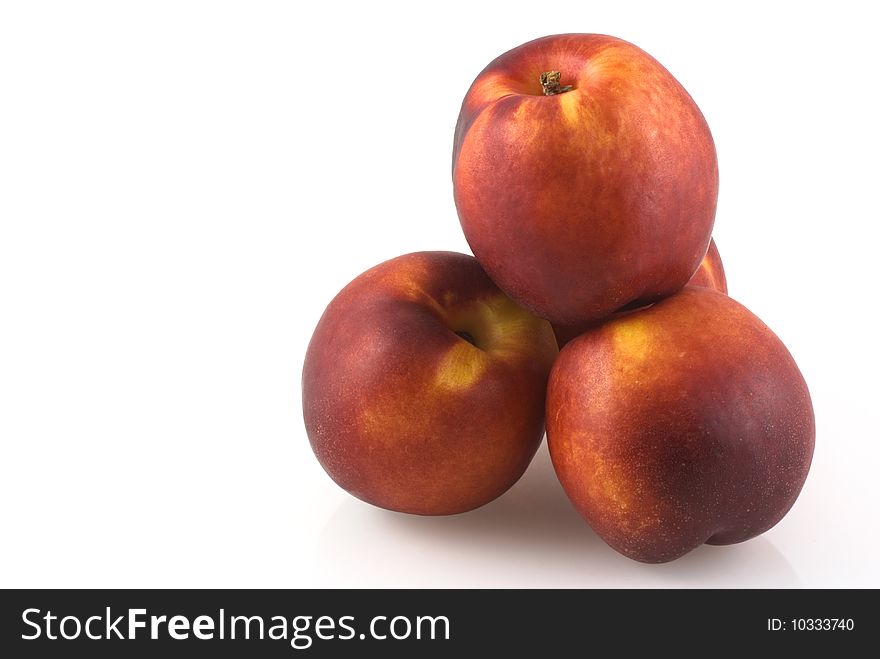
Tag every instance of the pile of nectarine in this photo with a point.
(586, 180)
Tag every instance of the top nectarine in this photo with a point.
(585, 177)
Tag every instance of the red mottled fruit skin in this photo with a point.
(710, 274)
(584, 202)
(407, 415)
(684, 423)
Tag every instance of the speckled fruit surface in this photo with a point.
(684, 423)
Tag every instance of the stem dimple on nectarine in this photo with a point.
(467, 336)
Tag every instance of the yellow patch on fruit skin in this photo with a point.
(510, 329)
(617, 491)
(631, 340)
(609, 487)
(461, 367)
(499, 326)
(603, 483)
(375, 424)
(709, 267)
(570, 105)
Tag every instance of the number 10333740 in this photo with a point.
(810, 624)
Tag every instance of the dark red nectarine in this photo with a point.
(684, 423)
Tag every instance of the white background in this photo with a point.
(185, 185)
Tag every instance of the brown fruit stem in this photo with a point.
(550, 83)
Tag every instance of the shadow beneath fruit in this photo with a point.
(530, 537)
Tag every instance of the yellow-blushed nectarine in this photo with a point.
(585, 177)
(681, 424)
(423, 385)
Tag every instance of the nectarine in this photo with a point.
(423, 385)
(585, 177)
(683, 423)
